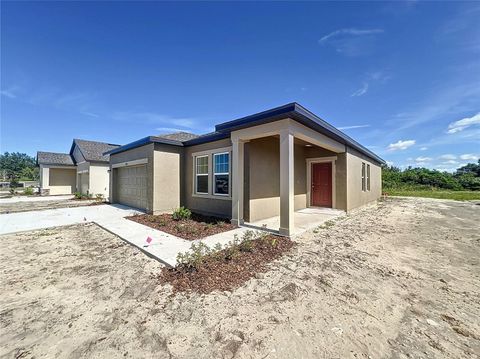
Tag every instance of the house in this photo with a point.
(260, 166)
(84, 169)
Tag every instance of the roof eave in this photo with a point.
(142, 142)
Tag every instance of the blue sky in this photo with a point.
(401, 78)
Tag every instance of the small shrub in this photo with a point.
(28, 191)
(77, 195)
(99, 197)
(193, 259)
(181, 214)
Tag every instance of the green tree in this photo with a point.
(17, 165)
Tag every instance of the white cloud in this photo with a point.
(400, 145)
(351, 127)
(450, 162)
(10, 92)
(389, 163)
(469, 157)
(361, 91)
(351, 42)
(155, 118)
(423, 148)
(448, 157)
(422, 159)
(464, 123)
(350, 31)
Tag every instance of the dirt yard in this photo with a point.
(41, 205)
(400, 279)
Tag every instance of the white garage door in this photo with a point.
(131, 186)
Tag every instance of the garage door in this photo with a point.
(131, 186)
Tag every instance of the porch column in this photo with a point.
(237, 181)
(44, 177)
(286, 183)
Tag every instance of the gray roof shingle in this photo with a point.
(179, 136)
(53, 158)
(94, 151)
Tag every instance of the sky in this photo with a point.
(401, 78)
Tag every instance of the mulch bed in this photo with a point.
(218, 273)
(196, 227)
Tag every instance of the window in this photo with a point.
(368, 177)
(201, 174)
(363, 176)
(221, 174)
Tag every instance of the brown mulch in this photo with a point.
(218, 273)
(196, 227)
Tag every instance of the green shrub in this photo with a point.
(198, 253)
(193, 259)
(28, 191)
(181, 214)
(77, 195)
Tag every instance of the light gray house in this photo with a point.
(264, 165)
(84, 169)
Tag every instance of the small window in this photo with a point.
(201, 174)
(368, 177)
(221, 174)
(363, 176)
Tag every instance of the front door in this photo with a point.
(321, 191)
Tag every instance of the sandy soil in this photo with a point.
(41, 205)
(395, 280)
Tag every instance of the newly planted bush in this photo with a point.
(28, 191)
(181, 214)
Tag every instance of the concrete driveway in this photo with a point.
(28, 221)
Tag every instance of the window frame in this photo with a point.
(214, 173)
(368, 177)
(364, 177)
(201, 174)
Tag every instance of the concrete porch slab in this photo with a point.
(304, 220)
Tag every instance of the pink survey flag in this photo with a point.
(149, 239)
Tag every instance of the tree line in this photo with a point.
(16, 166)
(464, 178)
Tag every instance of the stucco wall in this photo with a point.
(215, 206)
(99, 179)
(167, 169)
(62, 180)
(355, 196)
(132, 155)
(263, 177)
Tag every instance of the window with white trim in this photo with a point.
(221, 174)
(368, 177)
(363, 176)
(201, 174)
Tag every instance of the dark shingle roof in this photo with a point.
(52, 158)
(223, 130)
(179, 136)
(92, 150)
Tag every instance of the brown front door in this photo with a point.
(321, 191)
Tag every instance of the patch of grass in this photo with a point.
(440, 194)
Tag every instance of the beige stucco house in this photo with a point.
(264, 165)
(84, 169)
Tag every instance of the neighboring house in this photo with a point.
(85, 169)
(260, 166)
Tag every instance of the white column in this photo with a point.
(286, 183)
(237, 181)
(44, 177)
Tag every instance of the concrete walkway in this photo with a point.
(164, 247)
(16, 199)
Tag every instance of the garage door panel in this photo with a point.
(131, 186)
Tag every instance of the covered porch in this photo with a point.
(286, 176)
